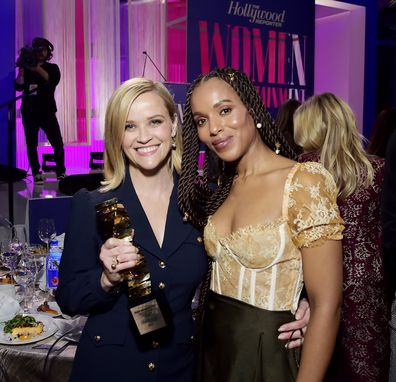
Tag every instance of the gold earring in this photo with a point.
(173, 143)
(277, 148)
(231, 76)
(259, 125)
(186, 217)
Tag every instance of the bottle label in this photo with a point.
(52, 273)
(148, 317)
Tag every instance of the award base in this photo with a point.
(148, 317)
(151, 320)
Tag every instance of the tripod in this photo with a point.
(10, 173)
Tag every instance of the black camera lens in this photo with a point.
(27, 58)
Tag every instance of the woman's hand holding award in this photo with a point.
(145, 309)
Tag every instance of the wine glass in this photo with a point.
(46, 231)
(5, 238)
(19, 233)
(10, 260)
(24, 276)
(37, 254)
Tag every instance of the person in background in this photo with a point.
(38, 78)
(142, 161)
(284, 122)
(385, 125)
(325, 127)
(388, 215)
(270, 226)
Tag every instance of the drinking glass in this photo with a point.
(17, 246)
(19, 233)
(5, 238)
(46, 231)
(10, 260)
(38, 256)
(24, 276)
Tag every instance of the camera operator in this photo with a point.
(38, 78)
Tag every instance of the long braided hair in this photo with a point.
(197, 199)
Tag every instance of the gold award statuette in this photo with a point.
(113, 221)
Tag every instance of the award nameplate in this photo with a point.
(148, 317)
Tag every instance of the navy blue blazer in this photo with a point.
(107, 349)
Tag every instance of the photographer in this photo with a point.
(38, 78)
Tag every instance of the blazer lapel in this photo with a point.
(144, 235)
(176, 230)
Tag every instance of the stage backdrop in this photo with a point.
(178, 92)
(272, 41)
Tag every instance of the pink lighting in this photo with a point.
(76, 155)
(338, 67)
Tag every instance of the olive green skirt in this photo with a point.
(238, 343)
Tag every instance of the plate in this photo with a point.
(49, 329)
(52, 304)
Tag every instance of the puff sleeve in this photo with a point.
(313, 213)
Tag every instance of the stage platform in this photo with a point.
(33, 202)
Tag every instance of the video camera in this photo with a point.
(28, 57)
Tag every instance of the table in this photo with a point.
(24, 363)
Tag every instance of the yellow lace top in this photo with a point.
(261, 264)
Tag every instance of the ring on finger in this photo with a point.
(114, 263)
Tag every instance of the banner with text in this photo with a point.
(272, 41)
(178, 91)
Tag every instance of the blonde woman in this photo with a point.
(325, 127)
(142, 158)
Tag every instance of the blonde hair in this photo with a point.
(326, 124)
(115, 120)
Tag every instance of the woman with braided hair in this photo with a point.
(270, 225)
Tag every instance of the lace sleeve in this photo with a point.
(313, 213)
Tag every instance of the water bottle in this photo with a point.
(53, 261)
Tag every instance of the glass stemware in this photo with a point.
(46, 231)
(16, 246)
(5, 238)
(10, 260)
(38, 256)
(24, 276)
(19, 233)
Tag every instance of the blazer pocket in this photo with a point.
(107, 329)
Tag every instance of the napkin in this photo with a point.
(8, 307)
(61, 240)
(75, 325)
